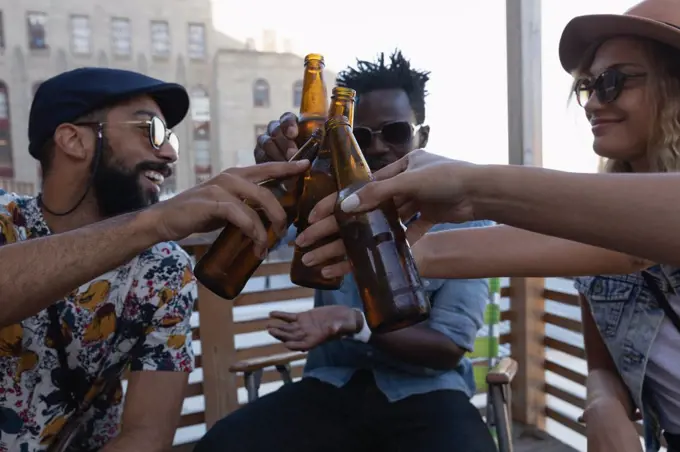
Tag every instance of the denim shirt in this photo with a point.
(457, 312)
(629, 318)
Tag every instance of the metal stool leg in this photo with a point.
(500, 404)
(285, 371)
(252, 381)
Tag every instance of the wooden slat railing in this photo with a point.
(573, 353)
(551, 365)
(218, 337)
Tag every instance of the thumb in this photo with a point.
(372, 194)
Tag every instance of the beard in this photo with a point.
(118, 189)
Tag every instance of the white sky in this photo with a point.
(463, 47)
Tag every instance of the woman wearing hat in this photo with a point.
(627, 78)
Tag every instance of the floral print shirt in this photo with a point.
(149, 299)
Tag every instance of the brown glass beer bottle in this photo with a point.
(319, 182)
(381, 259)
(230, 261)
(314, 101)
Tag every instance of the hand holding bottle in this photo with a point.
(219, 201)
(278, 143)
(427, 183)
(325, 225)
(409, 201)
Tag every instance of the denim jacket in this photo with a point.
(629, 318)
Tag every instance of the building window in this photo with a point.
(259, 130)
(6, 161)
(2, 31)
(37, 36)
(160, 39)
(202, 153)
(297, 93)
(121, 37)
(81, 35)
(197, 41)
(261, 93)
(200, 118)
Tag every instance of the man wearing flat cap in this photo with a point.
(91, 280)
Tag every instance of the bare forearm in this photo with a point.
(37, 272)
(603, 386)
(506, 251)
(421, 346)
(631, 213)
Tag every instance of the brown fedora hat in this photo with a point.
(658, 20)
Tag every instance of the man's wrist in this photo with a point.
(145, 228)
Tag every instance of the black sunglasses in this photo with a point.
(158, 132)
(607, 86)
(396, 133)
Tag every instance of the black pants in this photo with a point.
(673, 442)
(312, 416)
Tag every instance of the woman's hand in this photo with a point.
(324, 225)
(421, 182)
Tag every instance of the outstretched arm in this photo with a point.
(66, 260)
(506, 251)
(63, 261)
(630, 213)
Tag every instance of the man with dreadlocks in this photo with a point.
(407, 390)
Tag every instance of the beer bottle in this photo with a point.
(381, 259)
(314, 101)
(319, 182)
(230, 261)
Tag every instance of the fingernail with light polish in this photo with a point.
(350, 203)
(300, 241)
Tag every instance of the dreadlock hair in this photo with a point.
(372, 76)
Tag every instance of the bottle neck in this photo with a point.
(314, 95)
(342, 107)
(348, 161)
